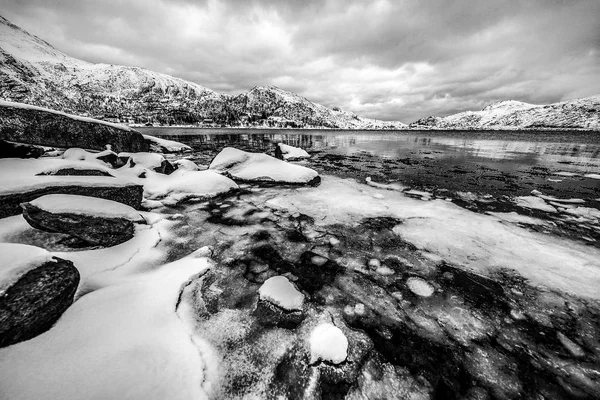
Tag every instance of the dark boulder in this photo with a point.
(36, 125)
(93, 229)
(31, 305)
(19, 150)
(127, 193)
(269, 314)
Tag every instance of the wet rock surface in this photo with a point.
(19, 150)
(36, 300)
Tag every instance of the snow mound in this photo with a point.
(328, 343)
(186, 165)
(420, 287)
(84, 205)
(166, 146)
(17, 259)
(183, 185)
(291, 152)
(281, 292)
(257, 167)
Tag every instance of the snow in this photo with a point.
(290, 152)
(4, 103)
(84, 205)
(164, 145)
(186, 165)
(281, 292)
(77, 165)
(328, 343)
(482, 243)
(420, 287)
(17, 259)
(592, 176)
(182, 185)
(148, 160)
(586, 212)
(555, 199)
(566, 173)
(534, 203)
(126, 340)
(259, 167)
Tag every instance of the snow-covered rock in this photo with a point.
(281, 292)
(160, 145)
(35, 289)
(152, 161)
(96, 221)
(258, 167)
(328, 343)
(534, 203)
(289, 153)
(581, 113)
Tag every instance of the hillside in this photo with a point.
(34, 72)
(572, 114)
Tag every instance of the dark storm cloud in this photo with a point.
(383, 59)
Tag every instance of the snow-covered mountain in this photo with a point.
(571, 114)
(34, 72)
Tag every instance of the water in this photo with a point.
(499, 163)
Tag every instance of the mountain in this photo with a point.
(34, 72)
(571, 114)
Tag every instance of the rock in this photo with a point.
(96, 221)
(33, 295)
(269, 314)
(19, 150)
(289, 153)
(100, 187)
(160, 145)
(77, 172)
(111, 158)
(261, 168)
(153, 161)
(42, 126)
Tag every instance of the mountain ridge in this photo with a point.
(33, 72)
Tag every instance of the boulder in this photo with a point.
(261, 168)
(152, 161)
(96, 221)
(159, 145)
(290, 153)
(35, 290)
(36, 125)
(100, 187)
(19, 150)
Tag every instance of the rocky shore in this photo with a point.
(253, 276)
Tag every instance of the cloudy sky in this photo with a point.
(388, 59)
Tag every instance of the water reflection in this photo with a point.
(570, 151)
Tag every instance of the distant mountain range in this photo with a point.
(34, 72)
(571, 114)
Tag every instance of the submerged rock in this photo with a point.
(35, 289)
(96, 221)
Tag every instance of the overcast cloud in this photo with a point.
(393, 60)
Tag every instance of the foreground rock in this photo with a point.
(261, 168)
(96, 221)
(290, 153)
(42, 126)
(35, 289)
(92, 186)
(19, 150)
(280, 303)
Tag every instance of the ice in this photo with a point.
(534, 203)
(566, 173)
(259, 167)
(17, 259)
(482, 243)
(279, 291)
(84, 205)
(420, 287)
(586, 212)
(592, 176)
(389, 186)
(126, 340)
(328, 343)
(290, 152)
(163, 145)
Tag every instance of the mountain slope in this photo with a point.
(571, 114)
(34, 72)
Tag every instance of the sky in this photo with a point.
(385, 59)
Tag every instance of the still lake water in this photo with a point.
(497, 162)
